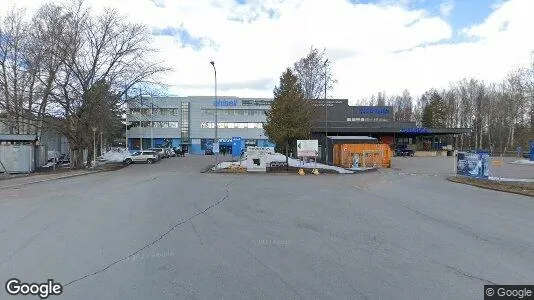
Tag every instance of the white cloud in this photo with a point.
(446, 7)
(386, 47)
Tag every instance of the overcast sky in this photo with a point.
(385, 45)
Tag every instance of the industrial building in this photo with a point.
(189, 123)
(335, 117)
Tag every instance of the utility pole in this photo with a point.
(216, 141)
(151, 123)
(326, 113)
(94, 146)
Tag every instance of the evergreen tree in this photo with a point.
(289, 118)
(434, 112)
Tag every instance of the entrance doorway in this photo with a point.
(225, 149)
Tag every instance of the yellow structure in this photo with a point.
(301, 172)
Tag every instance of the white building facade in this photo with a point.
(188, 123)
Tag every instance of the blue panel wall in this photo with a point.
(176, 142)
(158, 142)
(195, 149)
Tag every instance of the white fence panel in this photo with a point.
(17, 158)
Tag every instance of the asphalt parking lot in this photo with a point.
(168, 231)
(444, 166)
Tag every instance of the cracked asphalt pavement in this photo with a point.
(168, 231)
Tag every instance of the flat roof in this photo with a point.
(392, 130)
(351, 137)
(18, 137)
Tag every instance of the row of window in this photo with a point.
(234, 112)
(155, 111)
(367, 119)
(157, 124)
(231, 125)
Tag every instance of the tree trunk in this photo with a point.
(287, 158)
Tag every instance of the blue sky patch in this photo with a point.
(465, 13)
(185, 37)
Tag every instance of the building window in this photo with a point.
(231, 125)
(184, 126)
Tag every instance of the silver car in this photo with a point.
(144, 156)
(160, 151)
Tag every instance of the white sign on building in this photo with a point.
(307, 148)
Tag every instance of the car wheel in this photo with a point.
(127, 161)
(149, 161)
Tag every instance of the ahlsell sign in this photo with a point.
(307, 148)
(374, 110)
(225, 103)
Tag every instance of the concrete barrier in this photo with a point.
(425, 154)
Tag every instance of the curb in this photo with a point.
(492, 188)
(50, 179)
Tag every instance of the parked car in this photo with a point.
(403, 150)
(160, 151)
(144, 156)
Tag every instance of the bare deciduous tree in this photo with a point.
(69, 69)
(313, 72)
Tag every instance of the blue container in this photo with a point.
(531, 144)
(236, 146)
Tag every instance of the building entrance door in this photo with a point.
(225, 149)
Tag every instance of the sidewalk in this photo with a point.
(35, 178)
(23, 179)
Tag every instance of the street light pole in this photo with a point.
(152, 124)
(101, 146)
(326, 113)
(216, 110)
(94, 146)
(126, 131)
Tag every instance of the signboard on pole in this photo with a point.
(307, 148)
(473, 164)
